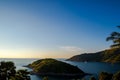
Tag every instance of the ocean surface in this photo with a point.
(93, 68)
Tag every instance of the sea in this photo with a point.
(93, 68)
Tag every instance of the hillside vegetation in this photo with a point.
(54, 67)
(111, 55)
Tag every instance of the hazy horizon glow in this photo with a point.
(56, 28)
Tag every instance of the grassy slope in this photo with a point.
(110, 55)
(54, 66)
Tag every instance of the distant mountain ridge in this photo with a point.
(110, 55)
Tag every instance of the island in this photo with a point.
(53, 67)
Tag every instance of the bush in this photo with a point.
(45, 78)
(92, 78)
(116, 76)
(105, 76)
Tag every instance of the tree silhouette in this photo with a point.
(116, 76)
(45, 78)
(105, 76)
(115, 37)
(8, 72)
(23, 74)
(92, 78)
(7, 69)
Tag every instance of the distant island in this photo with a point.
(111, 55)
(52, 67)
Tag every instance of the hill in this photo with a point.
(55, 68)
(111, 55)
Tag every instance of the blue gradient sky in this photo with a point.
(56, 28)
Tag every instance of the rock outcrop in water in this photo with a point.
(52, 67)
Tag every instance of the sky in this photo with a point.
(56, 28)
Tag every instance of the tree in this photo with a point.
(116, 76)
(105, 76)
(92, 78)
(8, 72)
(115, 37)
(23, 74)
(7, 69)
(45, 78)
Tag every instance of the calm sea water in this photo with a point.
(89, 67)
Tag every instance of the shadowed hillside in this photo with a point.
(111, 55)
(55, 68)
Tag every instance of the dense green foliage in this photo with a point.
(111, 55)
(116, 76)
(8, 72)
(54, 66)
(45, 78)
(108, 76)
(92, 78)
(105, 76)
